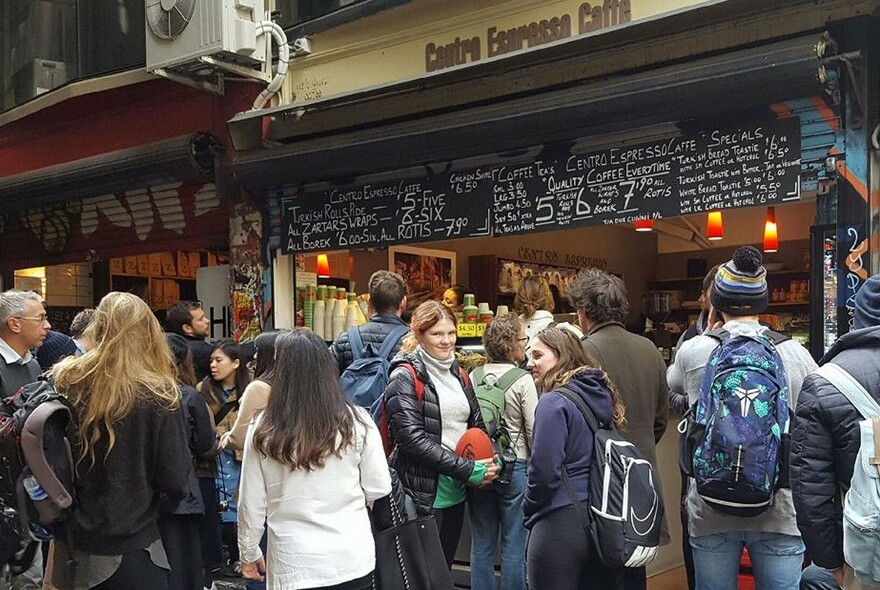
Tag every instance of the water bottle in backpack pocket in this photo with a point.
(861, 505)
(735, 438)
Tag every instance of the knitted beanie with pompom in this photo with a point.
(740, 287)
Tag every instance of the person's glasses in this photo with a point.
(34, 318)
(524, 339)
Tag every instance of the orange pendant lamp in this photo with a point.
(323, 266)
(714, 226)
(771, 232)
(644, 225)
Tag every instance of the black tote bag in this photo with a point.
(409, 556)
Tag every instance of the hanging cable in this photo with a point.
(280, 39)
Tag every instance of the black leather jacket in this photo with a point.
(825, 441)
(416, 430)
(372, 333)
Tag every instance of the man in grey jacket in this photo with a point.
(739, 294)
(634, 365)
(23, 327)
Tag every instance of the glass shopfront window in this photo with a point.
(294, 12)
(45, 44)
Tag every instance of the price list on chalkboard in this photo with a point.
(717, 168)
(745, 166)
(366, 215)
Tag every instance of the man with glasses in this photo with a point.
(23, 327)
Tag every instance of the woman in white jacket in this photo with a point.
(312, 463)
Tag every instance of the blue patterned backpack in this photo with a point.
(736, 445)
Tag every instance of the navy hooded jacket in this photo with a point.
(562, 437)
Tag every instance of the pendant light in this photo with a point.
(714, 226)
(323, 266)
(771, 233)
(644, 224)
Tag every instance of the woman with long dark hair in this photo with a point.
(312, 463)
(426, 429)
(222, 390)
(562, 440)
(256, 394)
(129, 447)
(253, 401)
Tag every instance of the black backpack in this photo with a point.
(626, 506)
(37, 471)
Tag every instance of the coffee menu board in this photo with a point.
(367, 215)
(717, 169)
(745, 166)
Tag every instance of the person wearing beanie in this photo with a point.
(55, 347)
(738, 295)
(740, 285)
(826, 439)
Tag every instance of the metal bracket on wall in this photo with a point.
(830, 77)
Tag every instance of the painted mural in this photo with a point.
(247, 268)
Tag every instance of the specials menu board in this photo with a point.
(717, 168)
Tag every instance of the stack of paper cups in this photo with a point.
(319, 313)
(338, 322)
(328, 319)
(351, 315)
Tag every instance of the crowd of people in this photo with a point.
(191, 455)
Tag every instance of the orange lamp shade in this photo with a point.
(644, 224)
(714, 226)
(771, 232)
(323, 266)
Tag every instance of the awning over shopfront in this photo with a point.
(186, 157)
(706, 87)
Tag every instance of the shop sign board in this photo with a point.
(755, 164)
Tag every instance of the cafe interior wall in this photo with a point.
(626, 252)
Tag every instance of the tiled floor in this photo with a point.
(672, 580)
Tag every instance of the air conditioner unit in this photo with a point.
(182, 32)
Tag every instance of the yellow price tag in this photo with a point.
(467, 330)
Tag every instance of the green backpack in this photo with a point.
(490, 390)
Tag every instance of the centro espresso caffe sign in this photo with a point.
(590, 16)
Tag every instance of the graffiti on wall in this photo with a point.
(138, 219)
(245, 257)
(856, 271)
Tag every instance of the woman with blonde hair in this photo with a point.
(130, 447)
(562, 440)
(535, 305)
(425, 428)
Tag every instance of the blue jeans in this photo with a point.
(493, 509)
(776, 560)
(818, 578)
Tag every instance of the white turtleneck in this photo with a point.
(454, 407)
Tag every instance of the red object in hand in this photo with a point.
(474, 444)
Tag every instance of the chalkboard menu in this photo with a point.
(717, 169)
(420, 210)
(721, 168)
